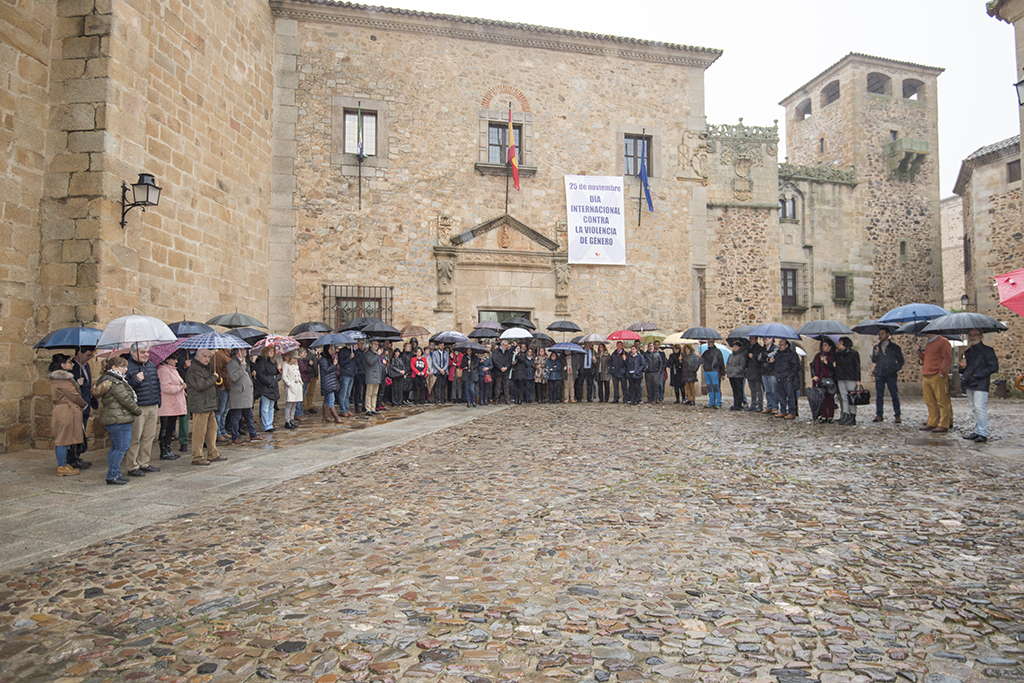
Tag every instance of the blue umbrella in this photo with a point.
(777, 330)
(70, 338)
(567, 346)
(213, 340)
(726, 351)
(189, 328)
(908, 313)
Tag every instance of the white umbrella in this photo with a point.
(516, 333)
(134, 329)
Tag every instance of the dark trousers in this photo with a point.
(501, 387)
(652, 386)
(787, 396)
(577, 386)
(590, 379)
(529, 391)
(617, 383)
(881, 382)
(554, 390)
(440, 388)
(602, 390)
(483, 390)
(419, 388)
(235, 417)
(167, 423)
(76, 451)
(633, 392)
(359, 393)
(756, 394)
(518, 390)
(737, 391)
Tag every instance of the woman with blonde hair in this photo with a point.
(292, 377)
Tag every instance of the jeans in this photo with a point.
(267, 412)
(469, 390)
(344, 391)
(298, 409)
(978, 401)
(881, 382)
(529, 391)
(714, 390)
(787, 397)
(235, 417)
(330, 399)
(771, 392)
(554, 390)
(120, 439)
(223, 397)
(62, 455)
(483, 390)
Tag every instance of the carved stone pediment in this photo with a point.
(504, 233)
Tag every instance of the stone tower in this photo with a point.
(879, 116)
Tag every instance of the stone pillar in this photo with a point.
(282, 180)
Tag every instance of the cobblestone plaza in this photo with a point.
(566, 543)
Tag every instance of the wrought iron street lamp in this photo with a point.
(964, 302)
(1019, 85)
(144, 193)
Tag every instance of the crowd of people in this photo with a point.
(142, 404)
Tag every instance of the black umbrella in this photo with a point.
(962, 323)
(564, 326)
(247, 334)
(873, 326)
(483, 333)
(359, 323)
(449, 337)
(576, 339)
(379, 329)
(741, 332)
(814, 328)
(643, 327)
(543, 337)
(700, 333)
(470, 346)
(235, 319)
(70, 338)
(189, 328)
(518, 322)
(917, 329)
(309, 326)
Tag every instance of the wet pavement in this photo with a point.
(567, 543)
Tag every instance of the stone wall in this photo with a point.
(435, 89)
(180, 91)
(952, 217)
(26, 34)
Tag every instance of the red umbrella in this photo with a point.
(624, 335)
(1011, 290)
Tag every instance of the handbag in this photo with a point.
(859, 397)
(487, 378)
(829, 385)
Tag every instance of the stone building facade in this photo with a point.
(248, 113)
(952, 214)
(989, 185)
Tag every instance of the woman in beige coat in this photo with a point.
(66, 419)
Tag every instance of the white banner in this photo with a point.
(595, 219)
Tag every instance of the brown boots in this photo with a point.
(326, 415)
(66, 471)
(334, 413)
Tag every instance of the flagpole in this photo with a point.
(640, 200)
(508, 164)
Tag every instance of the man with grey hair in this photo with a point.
(201, 382)
(978, 364)
(143, 379)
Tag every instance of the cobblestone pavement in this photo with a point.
(566, 543)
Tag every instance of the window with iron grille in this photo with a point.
(842, 287)
(637, 145)
(344, 303)
(789, 286)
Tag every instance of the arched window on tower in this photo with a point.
(830, 93)
(803, 110)
(913, 89)
(879, 84)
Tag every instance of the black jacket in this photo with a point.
(329, 382)
(635, 366)
(713, 360)
(655, 362)
(501, 359)
(756, 358)
(522, 368)
(787, 364)
(888, 363)
(147, 392)
(618, 363)
(981, 364)
(266, 378)
(847, 365)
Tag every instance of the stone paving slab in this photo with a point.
(74, 512)
(582, 543)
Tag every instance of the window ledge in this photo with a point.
(502, 170)
(844, 301)
(794, 309)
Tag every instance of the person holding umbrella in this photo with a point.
(418, 369)
(292, 377)
(143, 378)
(636, 364)
(172, 404)
(847, 379)
(66, 419)
(470, 366)
(714, 365)
(787, 372)
(888, 359)
(202, 401)
(240, 398)
(936, 359)
(823, 368)
(375, 368)
(267, 375)
(978, 364)
(330, 383)
(617, 369)
(553, 372)
(83, 378)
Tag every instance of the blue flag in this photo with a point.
(643, 174)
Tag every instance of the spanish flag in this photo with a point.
(512, 149)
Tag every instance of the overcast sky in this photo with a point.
(772, 47)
